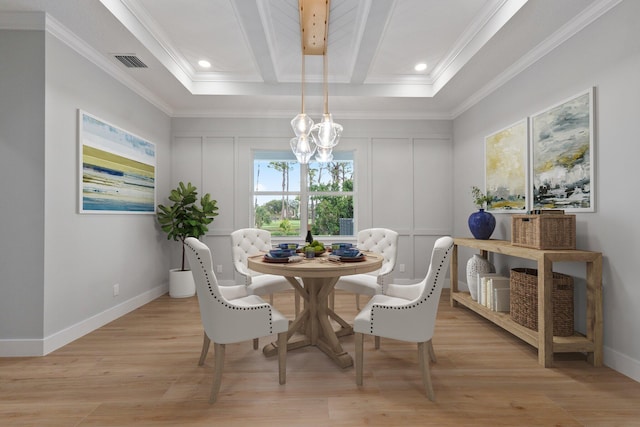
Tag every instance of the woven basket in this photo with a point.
(524, 300)
(544, 231)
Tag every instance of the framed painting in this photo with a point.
(562, 156)
(506, 168)
(117, 169)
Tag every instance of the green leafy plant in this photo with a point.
(479, 198)
(184, 218)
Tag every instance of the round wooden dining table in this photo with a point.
(319, 275)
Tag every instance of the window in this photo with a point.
(286, 192)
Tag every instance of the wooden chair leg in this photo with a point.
(432, 353)
(359, 357)
(282, 357)
(205, 349)
(376, 341)
(423, 356)
(271, 299)
(217, 370)
(358, 302)
(255, 343)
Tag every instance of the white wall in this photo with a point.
(605, 55)
(402, 176)
(59, 266)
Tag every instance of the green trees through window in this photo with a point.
(288, 196)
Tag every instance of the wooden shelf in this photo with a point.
(575, 343)
(543, 339)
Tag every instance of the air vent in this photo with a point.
(131, 61)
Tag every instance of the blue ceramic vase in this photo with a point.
(482, 224)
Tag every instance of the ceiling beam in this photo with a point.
(314, 23)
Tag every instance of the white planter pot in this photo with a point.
(181, 284)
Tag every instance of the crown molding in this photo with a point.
(67, 37)
(581, 21)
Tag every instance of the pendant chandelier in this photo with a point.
(313, 138)
(302, 144)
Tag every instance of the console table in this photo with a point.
(543, 339)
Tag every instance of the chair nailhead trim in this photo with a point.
(224, 303)
(433, 287)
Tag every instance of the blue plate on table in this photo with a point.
(351, 253)
(359, 257)
(291, 246)
(352, 256)
(340, 246)
(277, 260)
(281, 253)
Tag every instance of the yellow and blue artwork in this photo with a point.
(562, 155)
(117, 169)
(506, 168)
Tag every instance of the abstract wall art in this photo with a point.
(506, 168)
(117, 169)
(562, 150)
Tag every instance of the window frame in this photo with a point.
(304, 193)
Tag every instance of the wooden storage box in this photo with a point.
(545, 231)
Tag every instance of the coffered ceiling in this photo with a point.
(471, 47)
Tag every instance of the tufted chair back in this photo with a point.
(238, 317)
(413, 320)
(381, 241)
(246, 242)
(407, 313)
(217, 313)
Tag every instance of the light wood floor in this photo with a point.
(141, 370)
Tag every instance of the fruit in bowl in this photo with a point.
(317, 247)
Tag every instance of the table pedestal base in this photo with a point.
(314, 322)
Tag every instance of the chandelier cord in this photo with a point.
(301, 17)
(302, 83)
(325, 72)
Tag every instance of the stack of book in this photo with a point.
(493, 291)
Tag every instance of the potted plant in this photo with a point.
(481, 223)
(185, 218)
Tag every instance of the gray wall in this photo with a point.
(64, 287)
(402, 176)
(22, 140)
(605, 55)
(58, 266)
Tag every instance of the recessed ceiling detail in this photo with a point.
(365, 37)
(472, 47)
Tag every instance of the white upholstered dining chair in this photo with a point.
(229, 314)
(381, 241)
(407, 313)
(246, 242)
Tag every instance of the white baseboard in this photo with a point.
(41, 347)
(622, 363)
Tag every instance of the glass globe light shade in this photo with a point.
(327, 134)
(303, 148)
(324, 155)
(302, 124)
